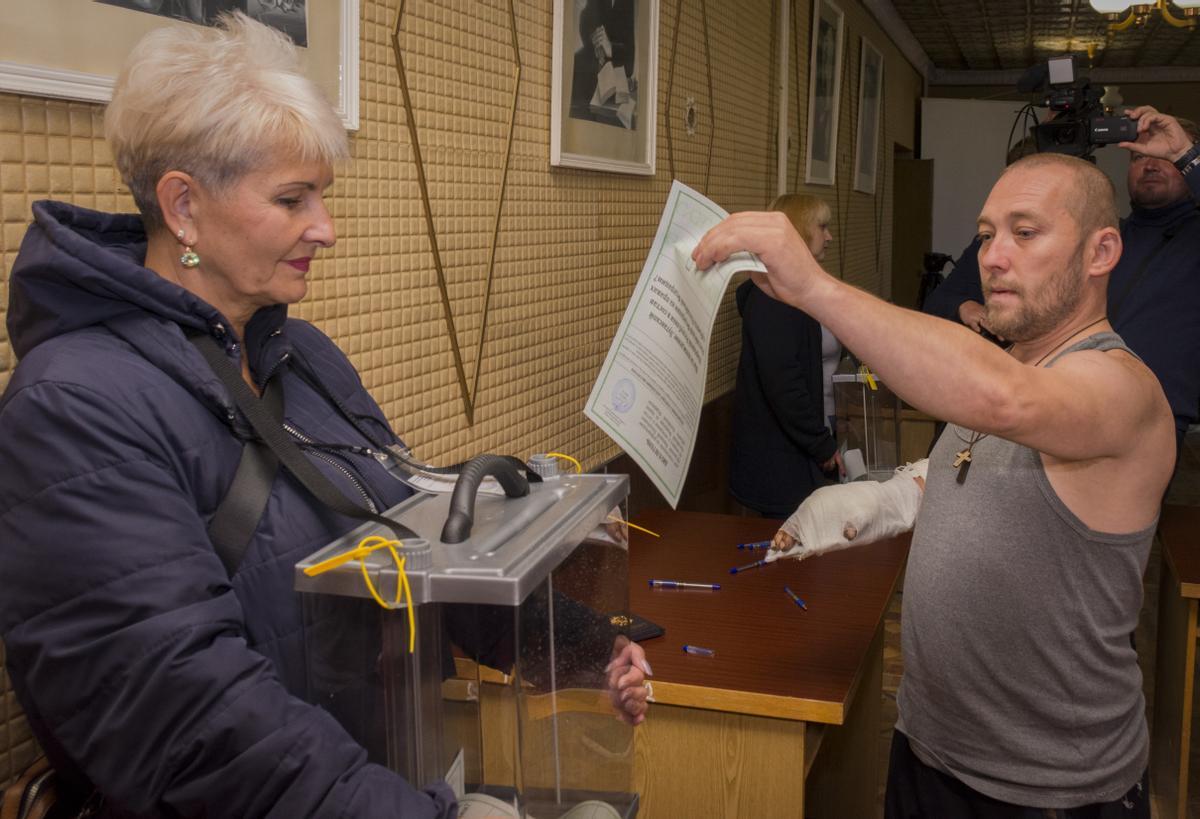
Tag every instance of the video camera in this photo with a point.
(1079, 123)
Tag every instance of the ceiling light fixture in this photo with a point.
(1136, 14)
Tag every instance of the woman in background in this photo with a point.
(783, 444)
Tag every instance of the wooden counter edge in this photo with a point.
(745, 702)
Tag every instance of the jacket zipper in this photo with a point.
(354, 481)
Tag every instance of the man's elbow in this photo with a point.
(1006, 413)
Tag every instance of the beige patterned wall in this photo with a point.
(571, 243)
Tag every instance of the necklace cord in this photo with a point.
(962, 461)
(1063, 343)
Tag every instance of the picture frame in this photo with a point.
(824, 93)
(870, 96)
(73, 49)
(603, 96)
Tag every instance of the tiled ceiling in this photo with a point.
(959, 36)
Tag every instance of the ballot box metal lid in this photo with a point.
(514, 545)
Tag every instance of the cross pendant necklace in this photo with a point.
(962, 458)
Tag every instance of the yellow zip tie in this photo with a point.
(412, 616)
(578, 466)
(403, 589)
(363, 549)
(635, 526)
(865, 372)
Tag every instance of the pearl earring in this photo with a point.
(190, 258)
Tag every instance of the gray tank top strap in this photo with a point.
(1097, 341)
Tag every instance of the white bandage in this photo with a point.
(851, 514)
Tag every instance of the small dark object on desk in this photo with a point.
(638, 628)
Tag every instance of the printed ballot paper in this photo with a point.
(648, 395)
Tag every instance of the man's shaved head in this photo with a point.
(1092, 200)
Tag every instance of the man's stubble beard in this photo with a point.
(1035, 320)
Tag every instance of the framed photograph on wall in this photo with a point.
(73, 49)
(824, 93)
(870, 95)
(603, 87)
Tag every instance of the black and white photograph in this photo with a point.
(604, 80)
(605, 69)
(73, 49)
(286, 15)
(870, 92)
(824, 93)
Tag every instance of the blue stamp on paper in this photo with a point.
(623, 395)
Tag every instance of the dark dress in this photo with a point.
(779, 436)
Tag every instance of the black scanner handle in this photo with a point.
(462, 503)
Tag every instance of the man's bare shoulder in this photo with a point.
(1118, 368)
(1120, 488)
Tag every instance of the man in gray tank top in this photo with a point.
(1021, 694)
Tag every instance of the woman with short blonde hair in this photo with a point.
(809, 215)
(218, 102)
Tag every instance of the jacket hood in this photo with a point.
(79, 268)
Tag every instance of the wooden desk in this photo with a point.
(737, 734)
(1174, 675)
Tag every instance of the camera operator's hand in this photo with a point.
(1159, 135)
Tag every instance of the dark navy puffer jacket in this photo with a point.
(141, 666)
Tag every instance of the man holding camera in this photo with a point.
(1021, 693)
(1154, 291)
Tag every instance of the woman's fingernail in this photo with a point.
(646, 668)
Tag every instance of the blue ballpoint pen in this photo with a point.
(758, 544)
(677, 584)
(698, 651)
(795, 598)
(753, 565)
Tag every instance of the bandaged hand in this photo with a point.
(850, 514)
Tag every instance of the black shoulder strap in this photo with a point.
(238, 514)
(274, 436)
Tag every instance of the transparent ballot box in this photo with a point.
(868, 420)
(504, 693)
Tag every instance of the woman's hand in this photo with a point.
(833, 463)
(627, 685)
